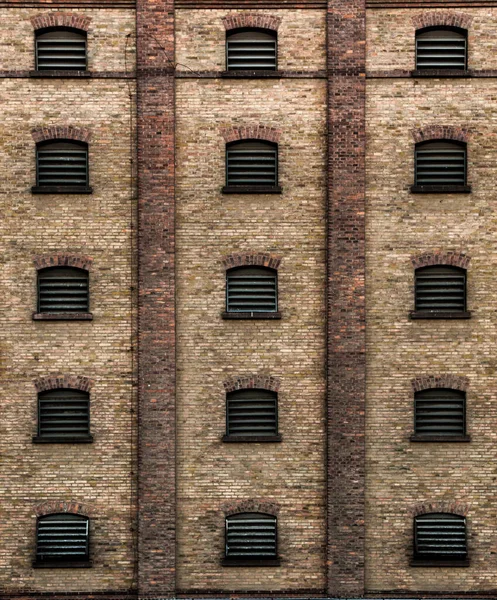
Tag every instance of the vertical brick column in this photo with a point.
(156, 351)
(346, 296)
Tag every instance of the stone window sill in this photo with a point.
(46, 439)
(247, 74)
(63, 564)
(431, 314)
(62, 317)
(248, 562)
(440, 438)
(61, 189)
(251, 315)
(440, 189)
(57, 74)
(437, 73)
(251, 189)
(419, 562)
(233, 439)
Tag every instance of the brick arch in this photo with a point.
(442, 506)
(80, 261)
(263, 382)
(57, 132)
(56, 382)
(251, 132)
(251, 505)
(245, 259)
(61, 19)
(262, 21)
(50, 507)
(446, 380)
(437, 257)
(442, 19)
(441, 132)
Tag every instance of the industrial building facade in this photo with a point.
(248, 333)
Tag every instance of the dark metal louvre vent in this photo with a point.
(62, 163)
(63, 290)
(440, 536)
(441, 49)
(62, 537)
(253, 50)
(440, 163)
(63, 413)
(251, 289)
(440, 289)
(61, 50)
(251, 536)
(440, 412)
(252, 162)
(252, 413)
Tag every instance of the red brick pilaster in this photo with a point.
(346, 296)
(156, 311)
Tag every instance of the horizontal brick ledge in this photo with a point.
(46, 439)
(249, 315)
(440, 438)
(63, 565)
(260, 439)
(227, 562)
(439, 563)
(247, 74)
(61, 189)
(426, 314)
(62, 317)
(440, 189)
(59, 74)
(437, 73)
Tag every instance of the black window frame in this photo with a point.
(441, 71)
(251, 188)
(246, 314)
(447, 313)
(440, 187)
(54, 315)
(250, 560)
(41, 71)
(61, 561)
(431, 559)
(442, 396)
(256, 72)
(246, 395)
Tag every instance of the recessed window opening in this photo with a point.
(251, 49)
(440, 537)
(61, 163)
(440, 289)
(440, 163)
(63, 414)
(251, 536)
(252, 290)
(252, 163)
(61, 50)
(440, 412)
(441, 48)
(63, 290)
(252, 413)
(62, 538)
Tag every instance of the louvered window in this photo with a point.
(63, 414)
(61, 163)
(251, 290)
(440, 412)
(251, 536)
(252, 163)
(441, 49)
(252, 413)
(61, 50)
(440, 536)
(62, 538)
(63, 290)
(440, 163)
(440, 289)
(251, 50)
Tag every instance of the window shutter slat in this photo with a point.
(251, 289)
(62, 289)
(63, 413)
(441, 50)
(440, 289)
(251, 536)
(440, 536)
(251, 50)
(440, 163)
(440, 412)
(251, 163)
(62, 538)
(62, 164)
(252, 413)
(61, 51)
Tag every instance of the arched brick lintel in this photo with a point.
(257, 506)
(251, 132)
(429, 259)
(58, 132)
(441, 132)
(51, 507)
(263, 382)
(61, 19)
(56, 382)
(80, 261)
(258, 20)
(428, 382)
(444, 506)
(245, 259)
(442, 19)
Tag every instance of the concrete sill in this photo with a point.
(261, 439)
(61, 189)
(437, 73)
(248, 74)
(440, 438)
(248, 562)
(418, 562)
(59, 73)
(251, 315)
(62, 317)
(432, 314)
(45, 439)
(440, 189)
(251, 189)
(63, 564)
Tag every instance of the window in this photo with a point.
(251, 50)
(252, 167)
(251, 539)
(63, 291)
(440, 538)
(63, 416)
(440, 292)
(440, 166)
(251, 292)
(251, 415)
(61, 50)
(441, 49)
(62, 167)
(62, 540)
(439, 414)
